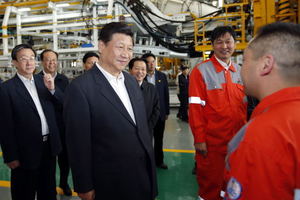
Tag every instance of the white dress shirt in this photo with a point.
(151, 78)
(31, 88)
(223, 63)
(118, 84)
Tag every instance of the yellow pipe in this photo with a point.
(30, 3)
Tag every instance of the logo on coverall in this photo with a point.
(233, 189)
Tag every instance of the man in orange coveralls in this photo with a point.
(217, 111)
(264, 156)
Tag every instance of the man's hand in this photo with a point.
(167, 116)
(49, 81)
(88, 195)
(201, 148)
(13, 164)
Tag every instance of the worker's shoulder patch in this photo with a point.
(234, 189)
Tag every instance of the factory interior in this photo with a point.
(177, 32)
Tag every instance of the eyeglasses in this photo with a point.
(25, 59)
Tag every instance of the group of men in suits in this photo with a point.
(159, 80)
(49, 61)
(100, 126)
(154, 86)
(33, 133)
(30, 138)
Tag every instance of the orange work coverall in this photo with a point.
(217, 110)
(264, 157)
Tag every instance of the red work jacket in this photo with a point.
(217, 103)
(264, 157)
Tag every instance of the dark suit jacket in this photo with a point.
(183, 83)
(61, 83)
(21, 132)
(151, 103)
(108, 152)
(162, 87)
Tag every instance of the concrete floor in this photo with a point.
(176, 183)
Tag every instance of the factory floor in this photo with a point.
(176, 183)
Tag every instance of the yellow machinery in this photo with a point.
(246, 17)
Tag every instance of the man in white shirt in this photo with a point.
(105, 116)
(159, 80)
(49, 60)
(29, 136)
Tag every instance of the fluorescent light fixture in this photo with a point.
(127, 15)
(62, 5)
(177, 1)
(220, 3)
(24, 9)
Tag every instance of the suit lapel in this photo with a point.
(157, 79)
(23, 92)
(109, 93)
(132, 95)
(40, 87)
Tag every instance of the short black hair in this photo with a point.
(45, 51)
(220, 31)
(18, 48)
(88, 55)
(278, 28)
(146, 55)
(133, 60)
(182, 67)
(109, 29)
(282, 41)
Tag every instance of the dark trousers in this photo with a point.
(158, 134)
(183, 109)
(178, 113)
(40, 182)
(64, 167)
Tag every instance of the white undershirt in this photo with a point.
(118, 84)
(31, 88)
(224, 64)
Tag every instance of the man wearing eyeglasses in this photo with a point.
(29, 137)
(49, 60)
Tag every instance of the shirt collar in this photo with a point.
(24, 79)
(223, 63)
(282, 95)
(219, 67)
(53, 76)
(152, 74)
(110, 77)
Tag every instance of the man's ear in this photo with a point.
(101, 46)
(14, 62)
(267, 65)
